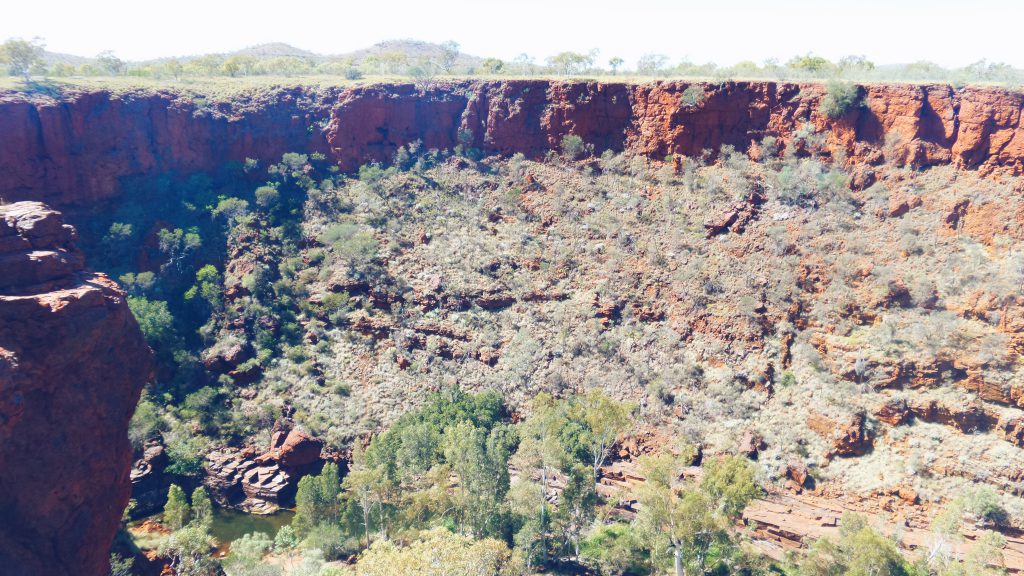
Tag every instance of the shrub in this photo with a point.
(267, 196)
(840, 98)
(154, 319)
(692, 97)
(984, 504)
(573, 146)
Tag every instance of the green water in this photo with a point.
(229, 525)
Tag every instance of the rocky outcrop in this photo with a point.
(73, 150)
(262, 483)
(150, 483)
(848, 436)
(72, 366)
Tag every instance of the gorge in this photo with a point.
(793, 306)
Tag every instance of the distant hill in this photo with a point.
(276, 50)
(412, 49)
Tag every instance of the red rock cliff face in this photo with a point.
(902, 124)
(75, 150)
(72, 365)
(72, 152)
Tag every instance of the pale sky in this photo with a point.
(951, 33)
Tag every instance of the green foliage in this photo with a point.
(809, 63)
(984, 504)
(696, 526)
(120, 565)
(458, 555)
(119, 240)
(246, 557)
(22, 56)
(808, 182)
(178, 247)
(731, 483)
(146, 423)
(329, 539)
(138, 284)
(692, 97)
(286, 539)
(859, 551)
(614, 549)
(316, 501)
(571, 63)
(185, 454)
(840, 98)
(573, 146)
(479, 460)
(202, 507)
(267, 196)
(414, 442)
(154, 320)
(234, 210)
(189, 551)
(208, 288)
(176, 511)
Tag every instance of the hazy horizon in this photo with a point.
(894, 32)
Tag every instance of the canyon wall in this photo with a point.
(72, 366)
(74, 150)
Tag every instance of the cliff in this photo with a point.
(73, 150)
(72, 365)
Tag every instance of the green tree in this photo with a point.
(208, 287)
(541, 453)
(696, 524)
(368, 486)
(615, 63)
(267, 197)
(111, 63)
(571, 63)
(246, 557)
(178, 246)
(605, 419)
(651, 64)
(21, 56)
(573, 146)
(576, 506)
(316, 501)
(154, 320)
(809, 63)
(438, 551)
(286, 539)
(859, 551)
(174, 68)
(176, 510)
(449, 56)
(480, 462)
(614, 549)
(492, 66)
(202, 507)
(189, 551)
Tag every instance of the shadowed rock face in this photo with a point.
(72, 365)
(73, 151)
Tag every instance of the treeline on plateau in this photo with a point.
(420, 60)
